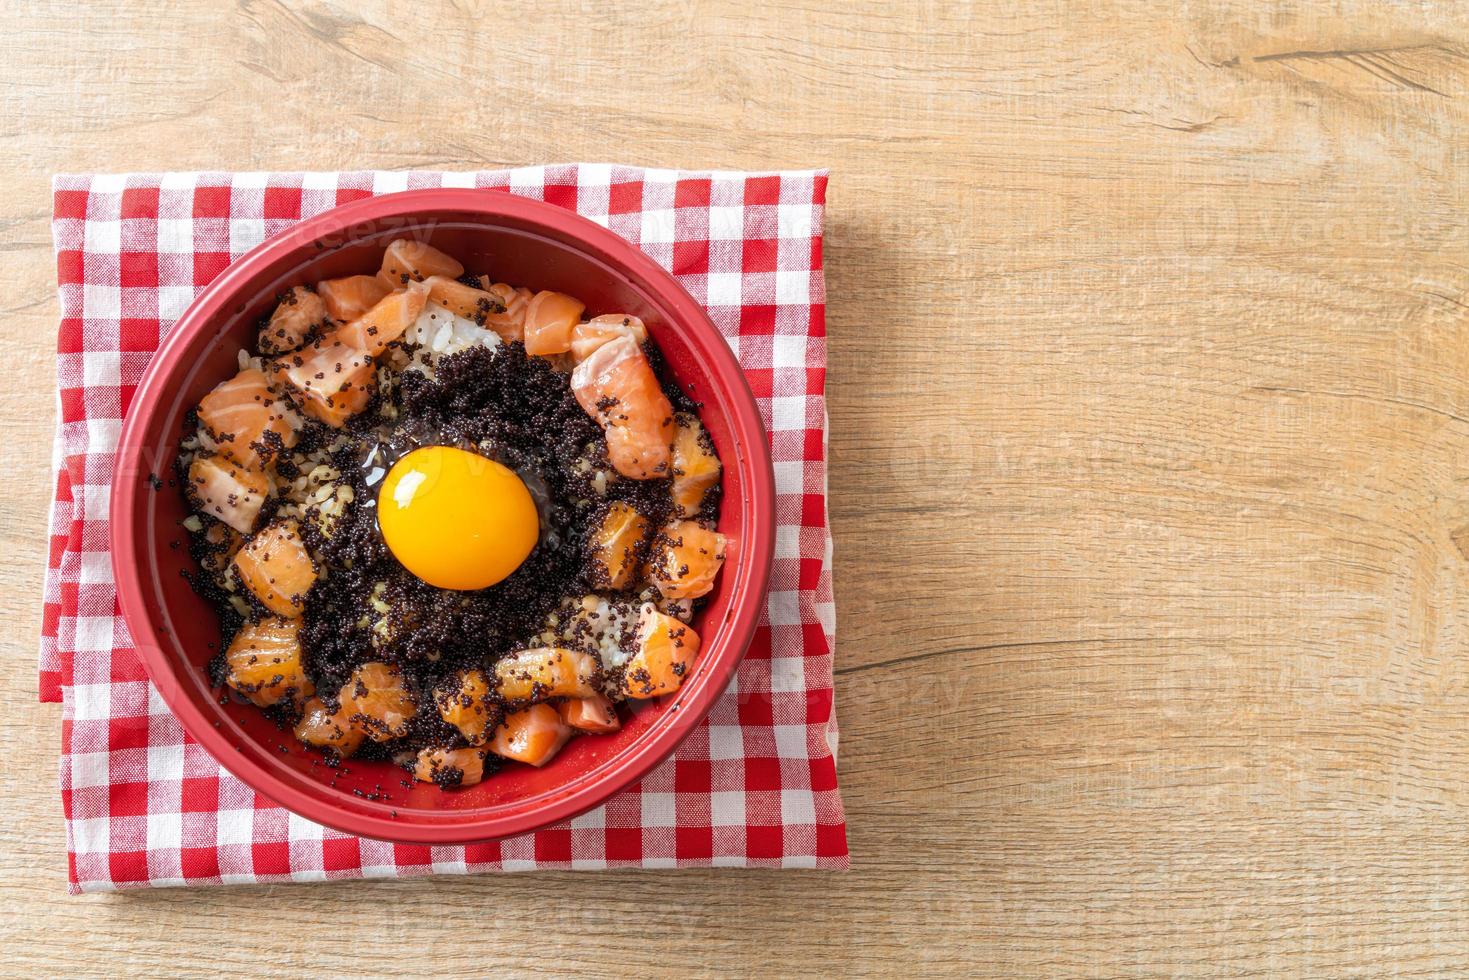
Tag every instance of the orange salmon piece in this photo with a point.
(299, 312)
(407, 260)
(684, 560)
(549, 319)
(466, 301)
(228, 491)
(275, 566)
(449, 767)
(510, 325)
(264, 661)
(616, 386)
(532, 736)
(326, 729)
(351, 296)
(377, 701)
(374, 330)
(587, 337)
(594, 714)
(695, 466)
(666, 652)
(614, 545)
(463, 701)
(546, 672)
(238, 412)
(331, 381)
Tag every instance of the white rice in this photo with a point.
(607, 620)
(438, 333)
(246, 360)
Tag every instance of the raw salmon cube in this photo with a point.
(684, 559)
(546, 672)
(374, 330)
(238, 413)
(695, 466)
(533, 735)
(264, 662)
(549, 320)
(228, 491)
(464, 702)
(326, 729)
(466, 301)
(587, 337)
(275, 566)
(407, 260)
(665, 654)
(377, 700)
(510, 324)
(330, 380)
(617, 387)
(449, 767)
(594, 714)
(351, 296)
(615, 545)
(299, 313)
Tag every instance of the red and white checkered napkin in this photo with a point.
(754, 786)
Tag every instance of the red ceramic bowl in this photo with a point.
(521, 241)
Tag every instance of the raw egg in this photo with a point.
(456, 519)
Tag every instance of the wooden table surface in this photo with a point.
(1150, 464)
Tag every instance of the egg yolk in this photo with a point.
(456, 519)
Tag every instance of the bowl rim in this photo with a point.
(706, 344)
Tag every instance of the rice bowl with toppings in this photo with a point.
(448, 522)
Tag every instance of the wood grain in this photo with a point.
(1150, 464)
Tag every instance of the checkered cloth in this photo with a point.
(754, 786)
